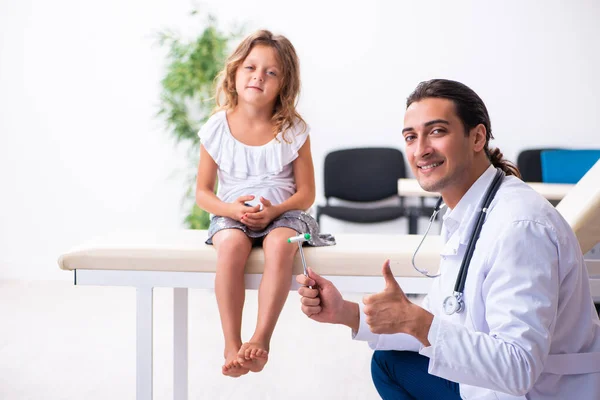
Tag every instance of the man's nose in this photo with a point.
(422, 147)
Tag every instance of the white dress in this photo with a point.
(252, 170)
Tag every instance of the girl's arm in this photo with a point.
(304, 175)
(205, 191)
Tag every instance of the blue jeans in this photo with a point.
(403, 375)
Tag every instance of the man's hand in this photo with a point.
(390, 311)
(259, 219)
(238, 208)
(324, 303)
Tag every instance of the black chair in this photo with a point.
(529, 163)
(363, 175)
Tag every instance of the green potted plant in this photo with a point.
(187, 96)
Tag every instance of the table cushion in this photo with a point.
(184, 250)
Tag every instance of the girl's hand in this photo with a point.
(238, 208)
(258, 220)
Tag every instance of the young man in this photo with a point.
(522, 324)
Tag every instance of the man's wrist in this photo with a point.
(423, 324)
(350, 315)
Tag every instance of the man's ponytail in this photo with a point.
(498, 161)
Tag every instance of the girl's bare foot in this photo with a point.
(232, 366)
(253, 355)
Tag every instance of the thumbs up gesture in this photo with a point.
(390, 311)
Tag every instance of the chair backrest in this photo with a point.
(530, 164)
(581, 208)
(363, 174)
(567, 166)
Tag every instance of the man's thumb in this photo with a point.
(390, 281)
(319, 280)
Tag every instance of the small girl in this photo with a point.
(258, 146)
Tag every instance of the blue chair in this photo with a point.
(530, 164)
(567, 166)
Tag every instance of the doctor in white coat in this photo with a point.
(522, 324)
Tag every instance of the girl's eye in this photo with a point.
(272, 73)
(248, 67)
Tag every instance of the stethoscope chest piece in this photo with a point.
(453, 304)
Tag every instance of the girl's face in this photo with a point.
(258, 78)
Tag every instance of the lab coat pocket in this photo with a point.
(505, 396)
(487, 396)
(491, 395)
(451, 258)
(452, 247)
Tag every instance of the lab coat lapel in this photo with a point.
(467, 225)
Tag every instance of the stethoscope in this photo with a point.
(455, 303)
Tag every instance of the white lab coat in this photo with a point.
(528, 308)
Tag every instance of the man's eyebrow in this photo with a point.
(436, 121)
(428, 123)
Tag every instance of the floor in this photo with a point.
(60, 341)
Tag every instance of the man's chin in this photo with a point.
(429, 185)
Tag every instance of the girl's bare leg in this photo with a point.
(233, 248)
(272, 293)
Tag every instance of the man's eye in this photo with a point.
(437, 131)
(409, 138)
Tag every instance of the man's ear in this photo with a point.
(479, 134)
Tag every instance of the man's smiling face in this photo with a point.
(439, 152)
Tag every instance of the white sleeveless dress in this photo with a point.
(265, 171)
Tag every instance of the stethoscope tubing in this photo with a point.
(459, 286)
(461, 278)
(436, 210)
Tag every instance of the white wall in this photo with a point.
(81, 152)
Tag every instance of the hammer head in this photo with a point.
(300, 238)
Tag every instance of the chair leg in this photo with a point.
(413, 221)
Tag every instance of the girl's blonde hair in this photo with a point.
(285, 115)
